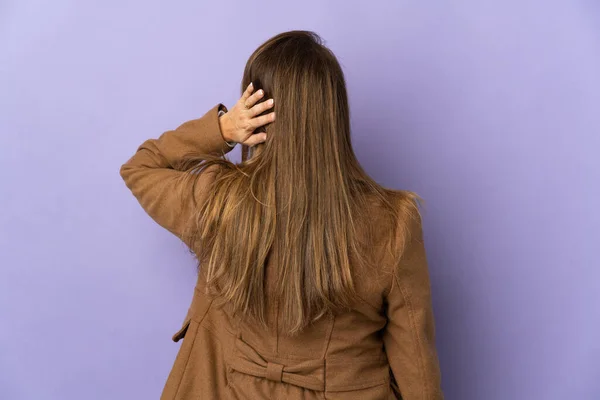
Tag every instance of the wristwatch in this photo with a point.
(230, 144)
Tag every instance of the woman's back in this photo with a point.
(313, 281)
(347, 355)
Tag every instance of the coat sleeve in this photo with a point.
(152, 175)
(409, 336)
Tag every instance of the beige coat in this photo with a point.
(383, 349)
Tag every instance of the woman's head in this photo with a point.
(301, 201)
(307, 83)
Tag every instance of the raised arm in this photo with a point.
(152, 175)
(409, 336)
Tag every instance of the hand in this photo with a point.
(239, 123)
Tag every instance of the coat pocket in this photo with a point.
(188, 333)
(181, 332)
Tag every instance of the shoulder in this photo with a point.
(407, 221)
(405, 229)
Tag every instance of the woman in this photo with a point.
(313, 282)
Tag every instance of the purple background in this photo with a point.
(490, 110)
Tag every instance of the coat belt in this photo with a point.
(354, 372)
(306, 374)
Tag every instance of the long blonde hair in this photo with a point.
(297, 196)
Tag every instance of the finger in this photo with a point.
(247, 92)
(261, 107)
(251, 101)
(262, 120)
(255, 139)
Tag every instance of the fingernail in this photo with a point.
(271, 101)
(250, 85)
(260, 92)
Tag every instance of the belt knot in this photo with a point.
(274, 372)
(309, 374)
